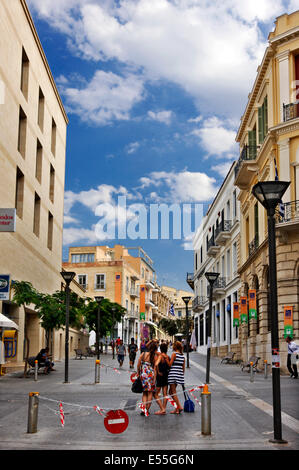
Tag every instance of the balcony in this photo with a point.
(287, 216)
(134, 292)
(253, 245)
(218, 287)
(212, 248)
(222, 232)
(290, 111)
(199, 302)
(246, 166)
(190, 280)
(150, 303)
(149, 284)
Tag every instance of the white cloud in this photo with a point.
(133, 147)
(217, 137)
(161, 116)
(210, 49)
(222, 169)
(181, 187)
(107, 97)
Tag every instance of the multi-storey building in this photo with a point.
(120, 277)
(33, 127)
(216, 245)
(269, 148)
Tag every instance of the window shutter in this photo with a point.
(260, 124)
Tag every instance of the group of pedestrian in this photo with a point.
(159, 371)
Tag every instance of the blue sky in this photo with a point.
(154, 91)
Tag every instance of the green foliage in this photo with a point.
(110, 313)
(51, 308)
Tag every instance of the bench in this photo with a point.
(90, 352)
(79, 354)
(254, 360)
(229, 359)
(31, 364)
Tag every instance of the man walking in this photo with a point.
(292, 348)
(132, 350)
(121, 352)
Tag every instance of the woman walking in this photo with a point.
(147, 373)
(162, 370)
(176, 374)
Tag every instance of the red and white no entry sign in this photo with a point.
(133, 377)
(116, 421)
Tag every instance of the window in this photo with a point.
(180, 313)
(19, 193)
(41, 110)
(39, 161)
(36, 215)
(53, 137)
(234, 204)
(82, 279)
(228, 265)
(50, 231)
(252, 147)
(235, 259)
(22, 132)
(25, 74)
(100, 281)
(82, 258)
(263, 120)
(52, 183)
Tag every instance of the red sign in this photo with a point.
(116, 421)
(133, 377)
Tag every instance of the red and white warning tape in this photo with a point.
(171, 401)
(99, 410)
(61, 414)
(143, 408)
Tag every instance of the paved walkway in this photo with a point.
(241, 410)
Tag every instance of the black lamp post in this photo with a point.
(68, 276)
(187, 300)
(98, 299)
(112, 334)
(211, 278)
(269, 194)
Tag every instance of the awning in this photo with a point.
(154, 325)
(7, 323)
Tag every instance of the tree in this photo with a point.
(111, 312)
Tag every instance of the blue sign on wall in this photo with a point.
(4, 286)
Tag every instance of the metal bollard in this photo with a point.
(35, 370)
(265, 369)
(32, 412)
(97, 371)
(206, 411)
(251, 372)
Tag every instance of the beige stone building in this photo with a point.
(123, 275)
(33, 126)
(269, 142)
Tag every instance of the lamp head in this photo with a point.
(68, 276)
(186, 299)
(212, 277)
(99, 299)
(269, 193)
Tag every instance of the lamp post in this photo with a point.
(269, 194)
(98, 299)
(211, 278)
(187, 300)
(68, 276)
(112, 334)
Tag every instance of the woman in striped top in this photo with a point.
(176, 373)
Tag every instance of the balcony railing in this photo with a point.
(190, 279)
(249, 152)
(219, 284)
(290, 111)
(287, 212)
(222, 231)
(253, 245)
(198, 302)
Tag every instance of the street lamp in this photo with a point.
(112, 334)
(187, 300)
(68, 276)
(98, 299)
(269, 194)
(211, 278)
